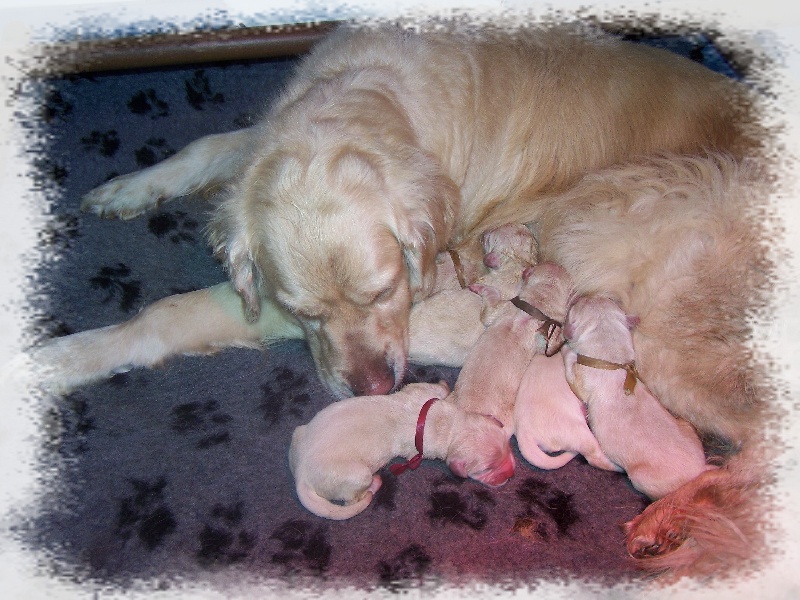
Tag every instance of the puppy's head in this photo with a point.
(512, 242)
(598, 327)
(480, 450)
(330, 236)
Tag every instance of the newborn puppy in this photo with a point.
(335, 456)
(548, 417)
(443, 336)
(492, 372)
(659, 452)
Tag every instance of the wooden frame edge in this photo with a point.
(170, 49)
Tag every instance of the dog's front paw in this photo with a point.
(658, 530)
(126, 197)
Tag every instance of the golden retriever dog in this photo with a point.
(390, 146)
(658, 452)
(335, 456)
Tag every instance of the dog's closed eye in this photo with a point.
(383, 295)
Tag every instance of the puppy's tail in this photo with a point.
(705, 527)
(322, 507)
(539, 458)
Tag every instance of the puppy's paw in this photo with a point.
(126, 197)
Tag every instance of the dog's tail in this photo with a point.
(323, 507)
(705, 527)
(539, 458)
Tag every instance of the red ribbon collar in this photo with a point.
(413, 463)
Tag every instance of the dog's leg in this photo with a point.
(198, 322)
(210, 160)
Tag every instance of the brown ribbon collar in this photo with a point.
(629, 368)
(548, 327)
(462, 281)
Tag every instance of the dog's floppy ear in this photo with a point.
(425, 202)
(570, 360)
(230, 243)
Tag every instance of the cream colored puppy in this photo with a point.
(548, 417)
(659, 452)
(492, 372)
(335, 456)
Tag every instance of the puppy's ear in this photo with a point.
(570, 360)
(230, 243)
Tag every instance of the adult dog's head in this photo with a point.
(343, 233)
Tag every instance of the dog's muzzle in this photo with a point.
(375, 377)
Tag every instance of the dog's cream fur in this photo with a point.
(387, 147)
(658, 452)
(334, 458)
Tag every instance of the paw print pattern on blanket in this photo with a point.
(283, 394)
(75, 424)
(146, 514)
(115, 282)
(385, 496)
(146, 102)
(48, 326)
(180, 226)
(154, 150)
(548, 510)
(222, 541)
(198, 91)
(203, 421)
(56, 106)
(105, 142)
(46, 173)
(405, 570)
(303, 547)
(453, 507)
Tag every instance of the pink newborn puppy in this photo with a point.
(335, 456)
(548, 417)
(492, 372)
(659, 452)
